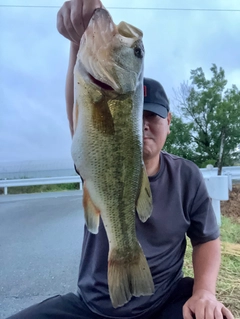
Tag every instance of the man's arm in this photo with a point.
(203, 304)
(72, 20)
(69, 84)
(206, 263)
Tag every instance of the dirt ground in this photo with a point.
(231, 208)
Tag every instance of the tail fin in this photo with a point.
(128, 275)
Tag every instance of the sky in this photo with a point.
(178, 36)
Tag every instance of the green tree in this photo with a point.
(179, 141)
(213, 114)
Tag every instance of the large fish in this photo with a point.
(107, 147)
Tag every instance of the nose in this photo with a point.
(145, 123)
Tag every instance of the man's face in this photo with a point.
(155, 132)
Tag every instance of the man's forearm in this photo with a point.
(69, 93)
(206, 263)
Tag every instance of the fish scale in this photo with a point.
(107, 148)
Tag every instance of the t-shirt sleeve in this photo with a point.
(203, 223)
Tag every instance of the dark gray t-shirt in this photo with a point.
(181, 206)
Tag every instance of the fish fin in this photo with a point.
(128, 275)
(91, 212)
(144, 201)
(75, 115)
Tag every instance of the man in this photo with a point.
(181, 206)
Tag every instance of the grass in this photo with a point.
(230, 231)
(228, 287)
(41, 188)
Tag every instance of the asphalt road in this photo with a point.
(40, 246)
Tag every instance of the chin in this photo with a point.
(146, 155)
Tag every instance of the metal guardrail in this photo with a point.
(233, 173)
(39, 181)
(218, 186)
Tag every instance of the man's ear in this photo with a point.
(169, 119)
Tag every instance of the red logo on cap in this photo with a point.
(145, 90)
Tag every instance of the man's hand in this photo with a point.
(72, 20)
(74, 16)
(204, 305)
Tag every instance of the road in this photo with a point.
(40, 246)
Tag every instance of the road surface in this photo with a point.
(40, 246)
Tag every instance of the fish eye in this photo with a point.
(138, 52)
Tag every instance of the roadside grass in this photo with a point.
(228, 287)
(41, 188)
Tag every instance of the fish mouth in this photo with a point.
(100, 84)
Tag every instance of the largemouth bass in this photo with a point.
(107, 147)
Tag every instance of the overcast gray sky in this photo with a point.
(34, 57)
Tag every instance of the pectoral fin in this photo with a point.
(144, 201)
(91, 212)
(75, 115)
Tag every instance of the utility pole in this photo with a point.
(221, 152)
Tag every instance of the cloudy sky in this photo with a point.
(178, 36)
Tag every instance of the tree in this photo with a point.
(179, 141)
(213, 114)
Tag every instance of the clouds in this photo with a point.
(34, 57)
(33, 66)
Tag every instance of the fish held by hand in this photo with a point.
(107, 148)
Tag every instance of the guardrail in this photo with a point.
(233, 173)
(218, 186)
(5, 183)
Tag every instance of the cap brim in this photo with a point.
(156, 108)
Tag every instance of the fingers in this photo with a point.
(74, 16)
(207, 311)
(64, 23)
(212, 311)
(227, 313)
(88, 8)
(77, 18)
(200, 311)
(187, 313)
(60, 21)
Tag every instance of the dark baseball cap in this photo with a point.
(155, 98)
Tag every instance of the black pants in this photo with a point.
(71, 306)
